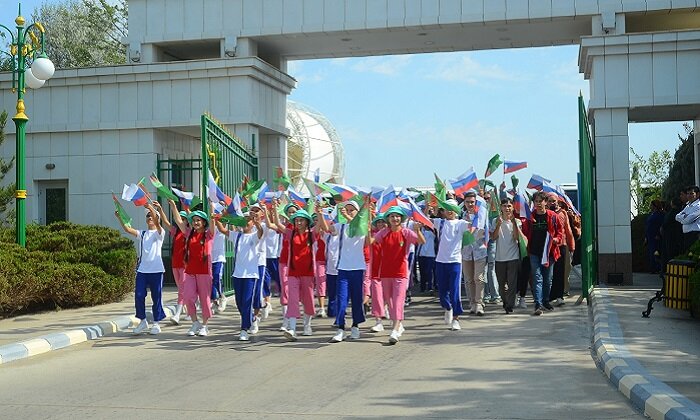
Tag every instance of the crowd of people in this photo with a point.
(302, 255)
(672, 228)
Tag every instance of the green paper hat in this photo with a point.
(378, 217)
(302, 213)
(397, 210)
(286, 207)
(198, 213)
(183, 214)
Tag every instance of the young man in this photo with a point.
(689, 217)
(559, 271)
(544, 235)
(474, 255)
(507, 235)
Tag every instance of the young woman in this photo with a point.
(396, 242)
(177, 261)
(198, 275)
(320, 272)
(376, 291)
(245, 268)
(289, 210)
(351, 270)
(149, 268)
(300, 281)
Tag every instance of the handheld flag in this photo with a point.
(514, 181)
(235, 206)
(359, 226)
(282, 180)
(238, 221)
(468, 238)
(296, 198)
(512, 166)
(134, 194)
(493, 164)
(521, 206)
(387, 199)
(123, 216)
(214, 193)
(440, 188)
(185, 198)
(317, 175)
(493, 205)
(344, 192)
(162, 189)
(537, 182)
(419, 216)
(465, 182)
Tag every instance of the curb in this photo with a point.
(55, 341)
(647, 393)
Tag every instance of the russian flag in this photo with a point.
(235, 205)
(317, 175)
(465, 182)
(536, 182)
(387, 199)
(377, 193)
(215, 194)
(135, 194)
(184, 196)
(521, 206)
(343, 191)
(545, 253)
(419, 216)
(264, 188)
(296, 198)
(512, 166)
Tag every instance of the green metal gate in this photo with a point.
(588, 203)
(229, 161)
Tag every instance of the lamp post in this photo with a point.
(25, 48)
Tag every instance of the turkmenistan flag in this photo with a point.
(123, 216)
(282, 180)
(468, 238)
(162, 189)
(493, 164)
(232, 219)
(493, 205)
(359, 226)
(514, 181)
(440, 188)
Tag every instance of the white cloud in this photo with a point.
(385, 65)
(461, 67)
(299, 71)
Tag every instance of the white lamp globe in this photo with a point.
(31, 80)
(43, 68)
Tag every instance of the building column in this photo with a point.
(613, 198)
(272, 154)
(696, 149)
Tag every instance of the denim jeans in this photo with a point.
(491, 289)
(541, 280)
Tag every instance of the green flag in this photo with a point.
(196, 204)
(440, 189)
(522, 245)
(282, 180)
(483, 183)
(514, 181)
(493, 164)
(468, 238)
(162, 189)
(311, 205)
(360, 224)
(231, 219)
(123, 215)
(447, 206)
(493, 205)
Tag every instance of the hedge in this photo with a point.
(64, 266)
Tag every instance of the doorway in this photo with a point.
(53, 201)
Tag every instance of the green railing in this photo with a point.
(587, 203)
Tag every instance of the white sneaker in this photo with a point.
(355, 333)
(203, 331)
(266, 310)
(193, 329)
(401, 329)
(285, 324)
(223, 300)
(321, 313)
(143, 326)
(448, 316)
(378, 327)
(291, 335)
(155, 329)
(215, 307)
(394, 337)
(243, 336)
(307, 330)
(455, 325)
(255, 327)
(338, 337)
(175, 319)
(521, 303)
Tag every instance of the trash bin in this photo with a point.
(677, 285)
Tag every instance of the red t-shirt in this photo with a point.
(178, 250)
(284, 253)
(395, 249)
(320, 249)
(198, 252)
(376, 260)
(301, 262)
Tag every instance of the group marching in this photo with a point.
(352, 246)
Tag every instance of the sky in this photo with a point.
(402, 118)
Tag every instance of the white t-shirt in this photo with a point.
(148, 250)
(351, 254)
(332, 242)
(507, 248)
(450, 234)
(218, 248)
(272, 244)
(262, 246)
(246, 254)
(428, 248)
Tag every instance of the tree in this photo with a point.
(647, 178)
(7, 193)
(84, 33)
(682, 172)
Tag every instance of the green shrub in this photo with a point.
(64, 265)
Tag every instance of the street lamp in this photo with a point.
(25, 49)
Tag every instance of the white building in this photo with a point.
(97, 127)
